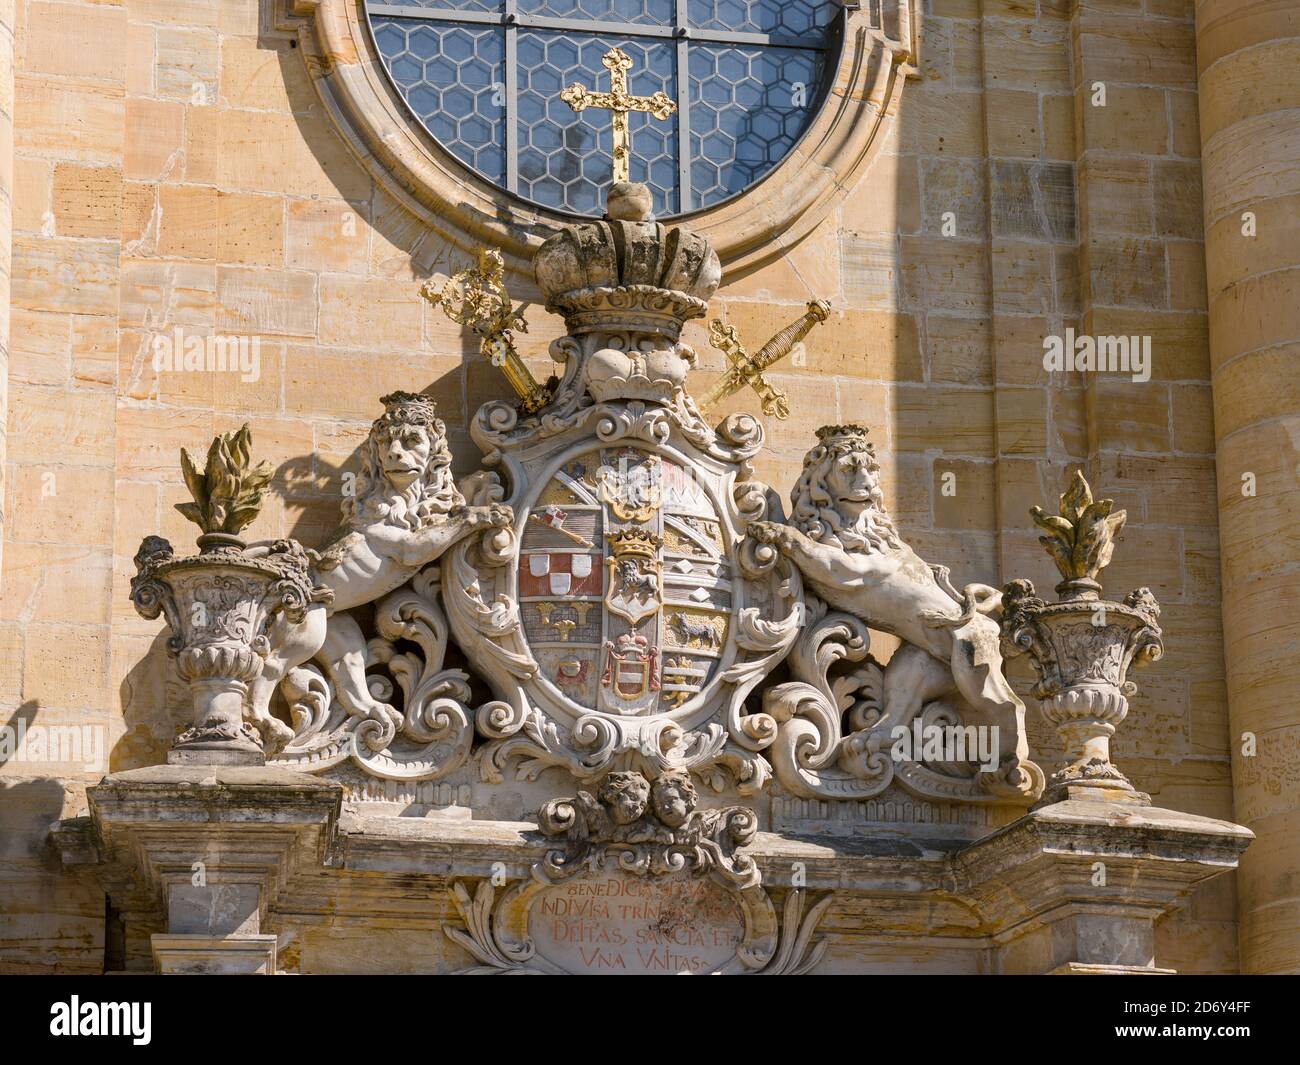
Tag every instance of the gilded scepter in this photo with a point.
(476, 297)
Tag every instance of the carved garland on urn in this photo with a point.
(222, 603)
(1081, 646)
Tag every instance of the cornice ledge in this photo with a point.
(1115, 855)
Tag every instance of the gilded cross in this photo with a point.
(619, 102)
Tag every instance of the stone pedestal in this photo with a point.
(208, 848)
(1076, 887)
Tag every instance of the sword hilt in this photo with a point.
(785, 339)
(477, 298)
(748, 370)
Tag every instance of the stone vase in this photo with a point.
(219, 605)
(1081, 648)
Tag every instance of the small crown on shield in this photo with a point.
(636, 542)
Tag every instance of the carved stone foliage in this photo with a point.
(836, 739)
(622, 589)
(628, 629)
(437, 726)
(644, 882)
(220, 605)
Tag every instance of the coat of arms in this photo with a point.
(629, 625)
(620, 585)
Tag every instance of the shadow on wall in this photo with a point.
(155, 708)
(51, 920)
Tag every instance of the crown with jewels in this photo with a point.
(635, 542)
(627, 270)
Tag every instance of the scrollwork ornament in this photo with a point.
(650, 830)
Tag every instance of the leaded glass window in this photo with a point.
(484, 77)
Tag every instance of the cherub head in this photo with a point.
(406, 469)
(674, 797)
(625, 796)
(837, 498)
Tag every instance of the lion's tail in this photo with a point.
(974, 599)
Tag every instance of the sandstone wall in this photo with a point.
(173, 167)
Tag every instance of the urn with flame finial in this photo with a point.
(1081, 646)
(221, 603)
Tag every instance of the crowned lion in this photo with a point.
(403, 513)
(843, 542)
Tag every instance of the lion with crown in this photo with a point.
(403, 513)
(846, 546)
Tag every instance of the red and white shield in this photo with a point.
(560, 573)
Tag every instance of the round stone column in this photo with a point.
(6, 227)
(1248, 58)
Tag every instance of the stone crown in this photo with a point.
(408, 408)
(627, 271)
(850, 435)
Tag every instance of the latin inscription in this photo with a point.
(628, 924)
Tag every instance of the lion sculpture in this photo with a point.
(843, 542)
(404, 512)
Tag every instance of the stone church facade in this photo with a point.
(625, 659)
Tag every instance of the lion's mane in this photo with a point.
(433, 494)
(813, 510)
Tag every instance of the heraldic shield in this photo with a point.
(620, 583)
(625, 582)
(623, 625)
(624, 617)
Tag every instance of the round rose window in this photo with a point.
(484, 78)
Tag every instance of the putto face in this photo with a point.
(404, 452)
(625, 798)
(673, 799)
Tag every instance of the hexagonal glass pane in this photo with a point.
(458, 82)
(766, 112)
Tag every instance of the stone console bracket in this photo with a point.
(1077, 887)
(206, 851)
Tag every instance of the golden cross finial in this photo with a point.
(747, 370)
(477, 297)
(619, 102)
